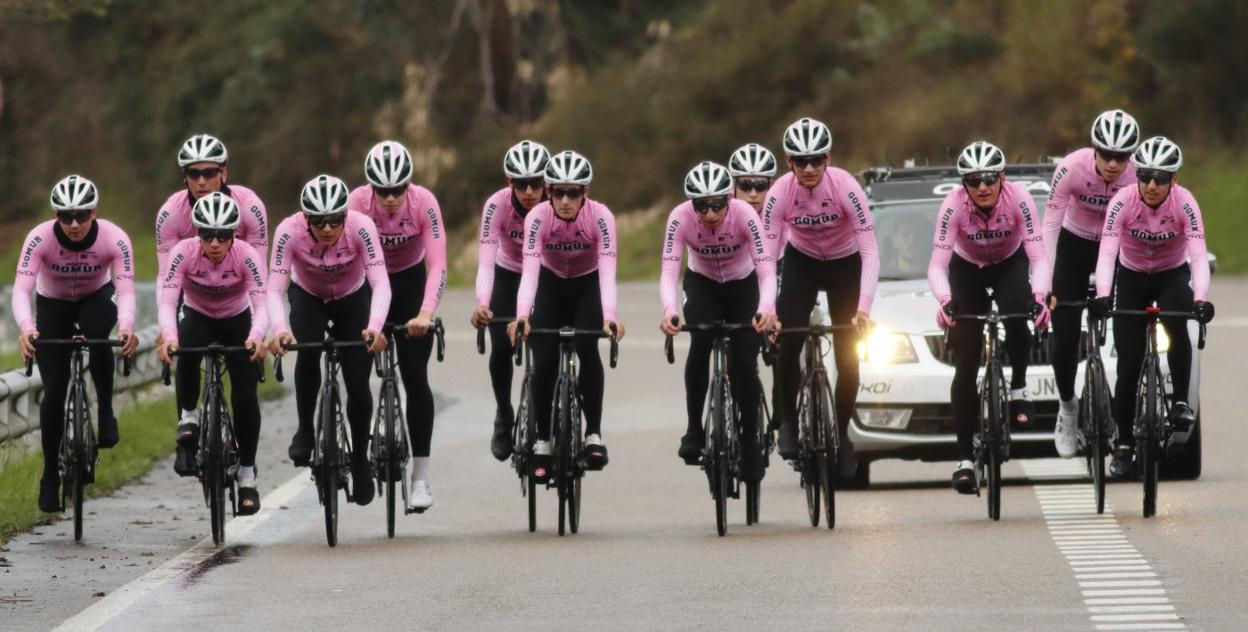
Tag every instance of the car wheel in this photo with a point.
(858, 478)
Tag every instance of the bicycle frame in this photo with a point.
(1096, 423)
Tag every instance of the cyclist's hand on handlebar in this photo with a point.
(26, 342)
(419, 326)
(614, 330)
(862, 322)
(1040, 313)
(765, 322)
(944, 315)
(277, 344)
(518, 328)
(481, 316)
(165, 351)
(1101, 306)
(130, 342)
(376, 341)
(670, 325)
(257, 349)
(1203, 310)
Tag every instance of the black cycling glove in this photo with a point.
(1203, 311)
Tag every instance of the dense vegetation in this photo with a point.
(109, 88)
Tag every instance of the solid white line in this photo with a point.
(1135, 617)
(1063, 524)
(1097, 548)
(1085, 530)
(122, 598)
(1142, 566)
(1125, 600)
(1124, 558)
(1120, 583)
(1115, 575)
(1094, 516)
(1141, 626)
(1123, 592)
(1131, 608)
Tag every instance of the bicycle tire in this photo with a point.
(391, 463)
(828, 442)
(329, 465)
(78, 458)
(560, 452)
(996, 419)
(216, 473)
(1150, 440)
(809, 469)
(532, 494)
(1096, 408)
(576, 441)
(718, 467)
(752, 492)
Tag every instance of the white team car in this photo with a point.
(903, 409)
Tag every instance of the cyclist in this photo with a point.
(817, 218)
(730, 278)
(568, 279)
(1152, 249)
(339, 275)
(1082, 186)
(986, 237)
(68, 262)
(222, 281)
(413, 239)
(204, 162)
(752, 168)
(499, 264)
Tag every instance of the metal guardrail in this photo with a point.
(20, 395)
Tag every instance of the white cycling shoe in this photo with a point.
(419, 497)
(1066, 435)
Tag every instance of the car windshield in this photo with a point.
(904, 231)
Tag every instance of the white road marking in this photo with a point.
(119, 600)
(1120, 588)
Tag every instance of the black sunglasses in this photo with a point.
(1113, 156)
(208, 235)
(702, 205)
(1162, 178)
(973, 181)
(390, 192)
(207, 173)
(753, 185)
(801, 162)
(571, 194)
(332, 221)
(535, 184)
(69, 217)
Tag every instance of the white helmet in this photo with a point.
(979, 156)
(569, 167)
(1115, 130)
(216, 210)
(75, 193)
(1158, 153)
(324, 195)
(752, 160)
(525, 159)
(708, 179)
(388, 165)
(807, 137)
(202, 148)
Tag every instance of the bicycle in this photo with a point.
(217, 455)
(523, 430)
(79, 453)
(390, 450)
(567, 439)
(818, 436)
(1096, 416)
(331, 450)
(1153, 429)
(992, 442)
(723, 455)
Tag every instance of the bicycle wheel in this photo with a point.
(828, 442)
(390, 464)
(328, 477)
(215, 469)
(806, 457)
(993, 458)
(1149, 439)
(562, 451)
(1091, 416)
(576, 441)
(77, 471)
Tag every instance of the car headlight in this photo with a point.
(885, 347)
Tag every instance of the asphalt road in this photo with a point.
(907, 554)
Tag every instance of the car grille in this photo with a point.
(930, 419)
(1041, 353)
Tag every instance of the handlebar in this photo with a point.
(213, 349)
(571, 332)
(79, 342)
(481, 332)
(1156, 313)
(718, 327)
(320, 345)
(435, 327)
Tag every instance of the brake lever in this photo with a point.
(481, 340)
(30, 366)
(615, 347)
(164, 373)
(438, 332)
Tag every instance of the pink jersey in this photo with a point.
(569, 249)
(730, 252)
(327, 272)
(827, 222)
(987, 240)
(407, 236)
(501, 241)
(56, 268)
(173, 222)
(1078, 199)
(216, 290)
(1149, 240)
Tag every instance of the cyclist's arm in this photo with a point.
(942, 253)
(673, 251)
(1107, 254)
(279, 277)
(253, 271)
(606, 262)
(171, 279)
(533, 245)
(29, 263)
(167, 228)
(774, 218)
(255, 222)
(433, 235)
(1055, 210)
(375, 271)
(487, 248)
(764, 265)
(864, 234)
(1033, 245)
(123, 279)
(1197, 254)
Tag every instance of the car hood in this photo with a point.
(905, 307)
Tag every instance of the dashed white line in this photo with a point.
(1121, 590)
